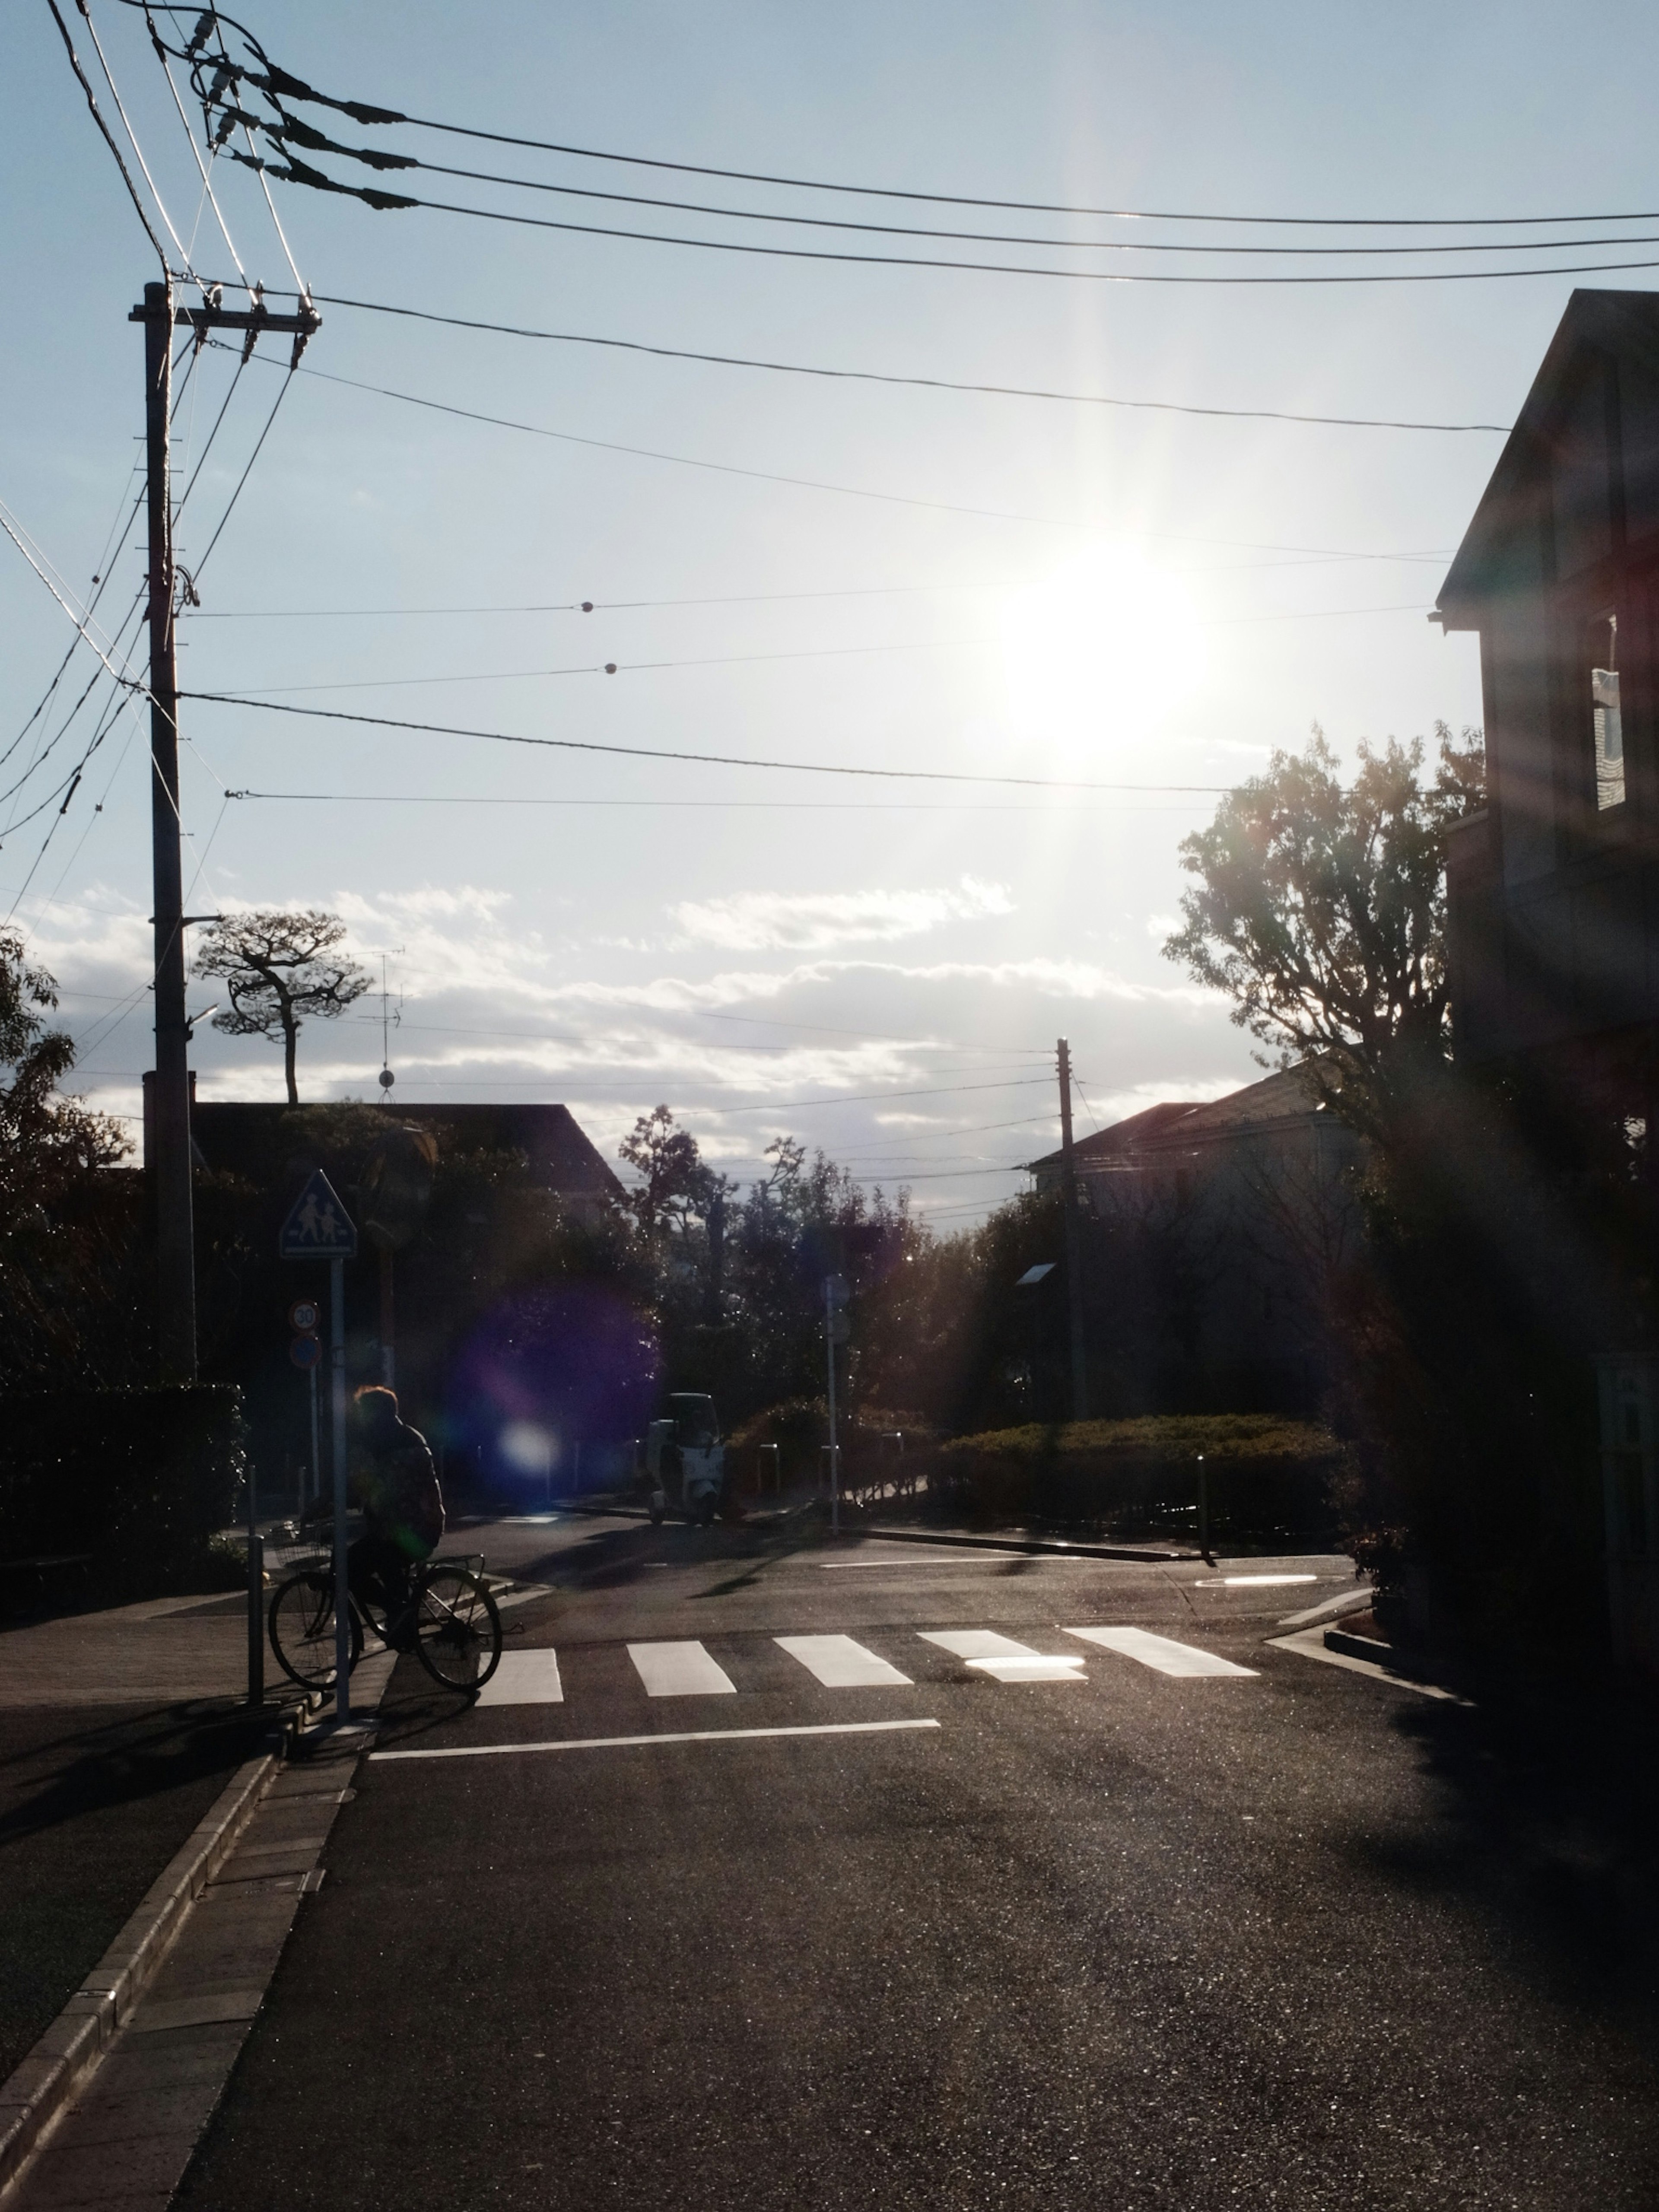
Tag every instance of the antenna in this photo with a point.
(391, 1018)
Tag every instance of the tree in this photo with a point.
(279, 968)
(677, 1187)
(1321, 912)
(66, 1238)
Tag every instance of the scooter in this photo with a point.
(685, 1461)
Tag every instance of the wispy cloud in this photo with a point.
(810, 921)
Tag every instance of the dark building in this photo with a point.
(1553, 890)
(1217, 1230)
(236, 1135)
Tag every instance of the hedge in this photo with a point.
(139, 1478)
(1267, 1475)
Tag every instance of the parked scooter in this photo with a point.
(685, 1460)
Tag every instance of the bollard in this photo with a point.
(256, 1618)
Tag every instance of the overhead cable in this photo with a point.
(919, 383)
(705, 760)
(109, 139)
(292, 88)
(294, 172)
(818, 483)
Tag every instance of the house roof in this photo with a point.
(1624, 324)
(234, 1134)
(1176, 1124)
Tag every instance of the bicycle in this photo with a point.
(449, 1622)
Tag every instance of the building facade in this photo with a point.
(1215, 1235)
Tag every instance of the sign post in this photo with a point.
(319, 1228)
(836, 1331)
(305, 1353)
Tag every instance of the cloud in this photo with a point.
(810, 921)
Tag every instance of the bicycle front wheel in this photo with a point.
(301, 1620)
(458, 1630)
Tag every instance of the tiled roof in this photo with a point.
(1177, 1122)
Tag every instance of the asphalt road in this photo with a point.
(1290, 1937)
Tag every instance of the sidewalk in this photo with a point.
(118, 1730)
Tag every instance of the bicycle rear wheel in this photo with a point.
(301, 1620)
(458, 1630)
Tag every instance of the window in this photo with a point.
(1607, 721)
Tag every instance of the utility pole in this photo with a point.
(1073, 1243)
(169, 1163)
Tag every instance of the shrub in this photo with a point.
(1268, 1476)
(139, 1478)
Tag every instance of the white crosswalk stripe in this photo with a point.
(525, 1678)
(989, 1653)
(680, 1670)
(1161, 1653)
(840, 1663)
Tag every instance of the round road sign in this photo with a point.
(304, 1351)
(303, 1316)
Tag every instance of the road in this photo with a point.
(1059, 1929)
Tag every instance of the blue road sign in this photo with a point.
(318, 1226)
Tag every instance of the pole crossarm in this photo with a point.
(304, 324)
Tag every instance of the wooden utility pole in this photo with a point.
(168, 1164)
(1073, 1243)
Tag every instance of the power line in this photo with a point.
(292, 88)
(747, 659)
(108, 138)
(706, 760)
(281, 394)
(815, 483)
(920, 383)
(734, 806)
(296, 173)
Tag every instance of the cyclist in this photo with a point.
(403, 1506)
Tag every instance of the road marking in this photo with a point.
(688, 1735)
(989, 1653)
(840, 1663)
(1162, 1653)
(1309, 1644)
(680, 1670)
(1249, 1581)
(525, 1678)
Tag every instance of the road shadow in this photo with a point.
(1546, 1801)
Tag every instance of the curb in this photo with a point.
(55, 2071)
(1038, 1544)
(1379, 1654)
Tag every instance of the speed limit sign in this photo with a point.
(303, 1316)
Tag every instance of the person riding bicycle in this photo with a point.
(403, 1507)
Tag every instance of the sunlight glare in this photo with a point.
(1100, 652)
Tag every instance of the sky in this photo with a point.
(1128, 609)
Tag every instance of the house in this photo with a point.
(1213, 1233)
(1553, 890)
(237, 1135)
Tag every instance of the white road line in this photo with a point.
(525, 1678)
(680, 1670)
(989, 1653)
(1162, 1653)
(1249, 1581)
(840, 1663)
(690, 1736)
(1309, 1644)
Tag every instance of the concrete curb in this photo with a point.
(1037, 1544)
(56, 2071)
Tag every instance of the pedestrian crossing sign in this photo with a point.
(318, 1226)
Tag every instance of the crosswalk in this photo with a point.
(686, 1668)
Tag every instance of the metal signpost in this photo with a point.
(319, 1228)
(306, 1351)
(836, 1330)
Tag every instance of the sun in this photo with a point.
(1099, 652)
